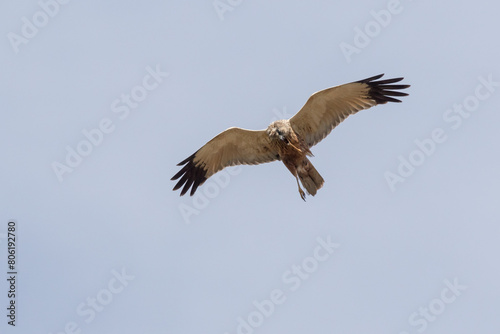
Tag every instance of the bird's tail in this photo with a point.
(309, 176)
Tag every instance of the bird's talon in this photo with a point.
(302, 195)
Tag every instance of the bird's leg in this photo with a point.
(291, 167)
(298, 149)
(301, 192)
(289, 143)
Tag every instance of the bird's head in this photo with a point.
(279, 130)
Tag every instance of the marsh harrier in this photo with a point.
(288, 140)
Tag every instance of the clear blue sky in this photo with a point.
(101, 100)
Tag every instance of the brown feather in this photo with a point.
(326, 109)
(232, 147)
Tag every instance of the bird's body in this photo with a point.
(287, 140)
(293, 151)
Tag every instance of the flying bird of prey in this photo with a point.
(288, 140)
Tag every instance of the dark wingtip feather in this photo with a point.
(190, 176)
(382, 90)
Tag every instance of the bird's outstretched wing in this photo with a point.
(234, 146)
(325, 109)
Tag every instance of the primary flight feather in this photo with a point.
(288, 140)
